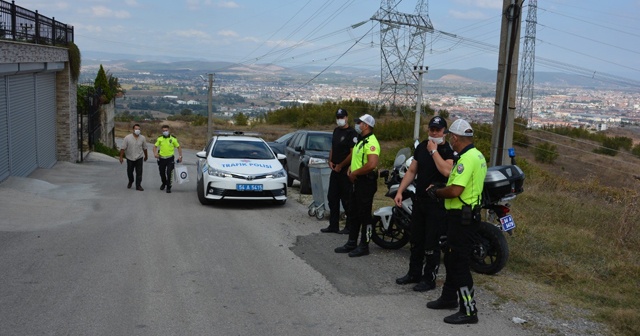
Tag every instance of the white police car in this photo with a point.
(236, 166)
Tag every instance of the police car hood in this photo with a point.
(246, 166)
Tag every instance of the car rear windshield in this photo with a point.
(241, 149)
(319, 142)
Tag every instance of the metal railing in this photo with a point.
(20, 24)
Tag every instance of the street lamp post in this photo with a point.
(420, 70)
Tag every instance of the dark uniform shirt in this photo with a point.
(343, 140)
(427, 170)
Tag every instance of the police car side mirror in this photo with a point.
(202, 155)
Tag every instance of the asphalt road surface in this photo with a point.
(80, 254)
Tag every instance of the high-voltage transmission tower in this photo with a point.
(402, 44)
(525, 98)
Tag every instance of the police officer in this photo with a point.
(432, 162)
(164, 151)
(363, 174)
(344, 137)
(462, 200)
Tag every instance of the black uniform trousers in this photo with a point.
(359, 219)
(166, 167)
(137, 165)
(428, 224)
(457, 258)
(340, 189)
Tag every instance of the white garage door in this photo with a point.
(27, 123)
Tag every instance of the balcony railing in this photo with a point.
(20, 24)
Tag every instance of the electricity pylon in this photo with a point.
(402, 44)
(525, 98)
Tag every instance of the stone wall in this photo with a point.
(19, 52)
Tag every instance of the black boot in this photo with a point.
(468, 312)
(330, 229)
(461, 318)
(441, 303)
(361, 250)
(407, 279)
(346, 248)
(424, 285)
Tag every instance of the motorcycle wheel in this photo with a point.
(393, 238)
(490, 250)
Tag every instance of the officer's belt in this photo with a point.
(166, 157)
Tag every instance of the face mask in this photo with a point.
(341, 122)
(165, 133)
(436, 140)
(136, 132)
(358, 129)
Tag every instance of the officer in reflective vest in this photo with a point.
(164, 151)
(463, 196)
(363, 174)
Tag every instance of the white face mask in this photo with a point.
(136, 132)
(165, 133)
(358, 129)
(436, 140)
(341, 122)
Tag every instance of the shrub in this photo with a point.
(545, 152)
(610, 146)
(101, 148)
(636, 150)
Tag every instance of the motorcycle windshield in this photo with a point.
(402, 155)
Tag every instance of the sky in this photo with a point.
(590, 35)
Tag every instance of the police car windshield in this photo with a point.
(241, 149)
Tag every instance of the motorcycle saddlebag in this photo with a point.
(502, 181)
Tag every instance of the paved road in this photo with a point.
(82, 255)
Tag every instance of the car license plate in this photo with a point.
(249, 187)
(507, 223)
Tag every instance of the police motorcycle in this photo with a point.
(391, 229)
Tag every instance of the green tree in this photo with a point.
(545, 152)
(101, 84)
(241, 119)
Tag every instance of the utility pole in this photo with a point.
(210, 108)
(504, 113)
(420, 70)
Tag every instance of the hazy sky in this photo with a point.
(597, 35)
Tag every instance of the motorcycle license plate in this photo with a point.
(507, 223)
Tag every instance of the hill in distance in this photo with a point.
(120, 63)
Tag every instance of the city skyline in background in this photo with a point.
(592, 35)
